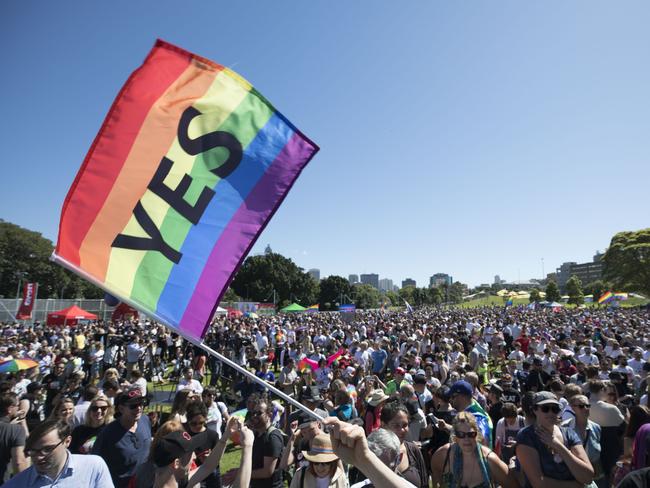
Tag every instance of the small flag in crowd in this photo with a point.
(187, 169)
(605, 297)
(408, 307)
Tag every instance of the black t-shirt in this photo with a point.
(268, 444)
(495, 412)
(510, 395)
(83, 439)
(53, 385)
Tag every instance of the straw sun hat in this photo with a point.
(376, 397)
(321, 450)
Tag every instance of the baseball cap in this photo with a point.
(174, 446)
(129, 397)
(544, 398)
(461, 387)
(400, 371)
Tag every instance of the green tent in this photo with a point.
(294, 307)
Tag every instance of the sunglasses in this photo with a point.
(583, 405)
(548, 408)
(462, 435)
(97, 408)
(135, 406)
(43, 451)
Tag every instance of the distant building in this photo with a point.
(370, 279)
(498, 280)
(314, 273)
(586, 272)
(353, 279)
(408, 282)
(268, 249)
(385, 285)
(440, 279)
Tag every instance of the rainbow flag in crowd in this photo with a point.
(188, 167)
(605, 297)
(312, 308)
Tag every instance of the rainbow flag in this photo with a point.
(188, 167)
(312, 308)
(605, 297)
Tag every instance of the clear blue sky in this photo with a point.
(473, 138)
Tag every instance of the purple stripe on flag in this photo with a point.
(242, 231)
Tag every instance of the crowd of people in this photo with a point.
(449, 397)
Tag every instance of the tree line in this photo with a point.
(24, 256)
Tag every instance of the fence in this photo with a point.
(43, 306)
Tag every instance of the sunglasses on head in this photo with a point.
(462, 435)
(548, 408)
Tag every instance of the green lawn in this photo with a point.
(499, 301)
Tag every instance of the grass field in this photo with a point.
(499, 301)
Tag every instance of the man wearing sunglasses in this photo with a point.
(53, 465)
(124, 443)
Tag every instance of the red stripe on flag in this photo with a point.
(90, 190)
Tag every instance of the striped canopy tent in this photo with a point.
(69, 316)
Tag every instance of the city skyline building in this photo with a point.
(586, 272)
(408, 282)
(370, 279)
(314, 273)
(353, 278)
(385, 284)
(440, 279)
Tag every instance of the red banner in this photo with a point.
(29, 296)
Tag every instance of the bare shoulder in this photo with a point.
(440, 454)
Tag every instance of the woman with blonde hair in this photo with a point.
(98, 416)
(324, 469)
(63, 410)
(109, 374)
(465, 461)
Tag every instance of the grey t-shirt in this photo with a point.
(11, 435)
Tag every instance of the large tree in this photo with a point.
(260, 275)
(552, 292)
(25, 256)
(366, 296)
(535, 296)
(627, 261)
(333, 290)
(574, 289)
